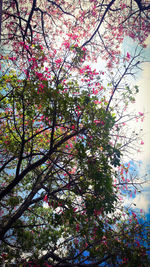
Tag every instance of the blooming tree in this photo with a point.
(64, 135)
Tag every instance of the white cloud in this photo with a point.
(147, 42)
(142, 202)
(142, 104)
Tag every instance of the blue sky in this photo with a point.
(142, 104)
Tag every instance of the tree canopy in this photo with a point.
(64, 135)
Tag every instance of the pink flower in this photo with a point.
(95, 92)
(128, 56)
(134, 215)
(45, 198)
(138, 243)
(58, 61)
(76, 241)
(77, 228)
(142, 142)
(1, 212)
(66, 44)
(99, 122)
(110, 64)
(40, 75)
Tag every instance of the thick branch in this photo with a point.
(141, 7)
(101, 21)
(29, 19)
(37, 163)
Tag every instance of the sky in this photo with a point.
(142, 104)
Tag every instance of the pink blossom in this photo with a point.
(58, 61)
(99, 122)
(1, 212)
(45, 198)
(95, 92)
(128, 55)
(142, 142)
(77, 228)
(141, 114)
(66, 44)
(134, 215)
(76, 241)
(41, 85)
(40, 75)
(12, 58)
(138, 243)
(86, 245)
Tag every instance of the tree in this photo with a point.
(62, 137)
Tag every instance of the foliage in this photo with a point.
(62, 133)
